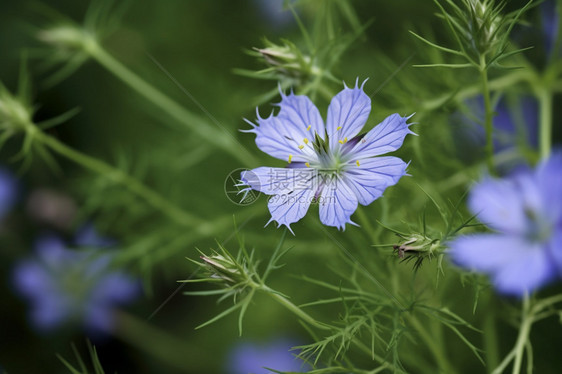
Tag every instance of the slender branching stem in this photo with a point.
(219, 138)
(298, 311)
(524, 331)
(488, 115)
(151, 197)
(442, 361)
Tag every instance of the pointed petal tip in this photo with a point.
(363, 84)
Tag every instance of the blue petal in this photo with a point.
(8, 191)
(290, 207)
(515, 264)
(386, 137)
(349, 110)
(503, 204)
(274, 181)
(529, 269)
(298, 112)
(369, 180)
(280, 136)
(337, 203)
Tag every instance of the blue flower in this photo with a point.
(8, 191)
(72, 286)
(515, 126)
(525, 211)
(550, 21)
(254, 358)
(329, 164)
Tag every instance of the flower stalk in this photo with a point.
(488, 116)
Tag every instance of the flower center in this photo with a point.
(539, 229)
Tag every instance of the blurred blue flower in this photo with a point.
(525, 210)
(254, 358)
(8, 191)
(515, 127)
(331, 165)
(550, 24)
(72, 286)
(274, 13)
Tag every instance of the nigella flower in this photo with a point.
(525, 211)
(72, 286)
(8, 192)
(255, 358)
(329, 164)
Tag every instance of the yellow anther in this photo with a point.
(308, 128)
(307, 164)
(301, 146)
(305, 140)
(357, 162)
(345, 140)
(340, 141)
(290, 158)
(338, 128)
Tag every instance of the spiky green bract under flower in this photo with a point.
(481, 30)
(238, 276)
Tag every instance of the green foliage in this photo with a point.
(82, 367)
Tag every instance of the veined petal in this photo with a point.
(301, 116)
(337, 203)
(288, 136)
(386, 137)
(369, 180)
(275, 181)
(290, 207)
(347, 114)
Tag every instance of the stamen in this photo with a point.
(307, 164)
(357, 162)
(301, 146)
(305, 140)
(340, 141)
(290, 158)
(308, 128)
(345, 140)
(338, 128)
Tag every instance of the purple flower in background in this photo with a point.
(254, 358)
(515, 127)
(329, 164)
(72, 286)
(8, 191)
(550, 24)
(525, 211)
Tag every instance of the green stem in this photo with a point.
(490, 337)
(296, 310)
(545, 129)
(523, 337)
(152, 198)
(488, 116)
(223, 140)
(442, 361)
